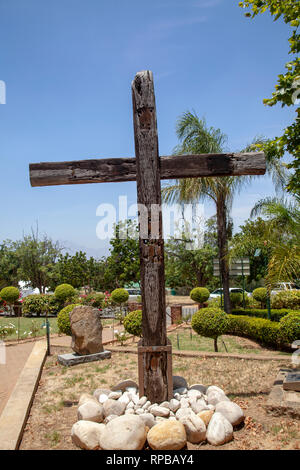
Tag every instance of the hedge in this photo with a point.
(263, 331)
(276, 315)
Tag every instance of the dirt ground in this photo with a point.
(16, 357)
(247, 382)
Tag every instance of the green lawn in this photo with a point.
(189, 341)
(27, 325)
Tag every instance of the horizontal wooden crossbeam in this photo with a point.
(124, 169)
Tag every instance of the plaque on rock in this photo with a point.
(292, 382)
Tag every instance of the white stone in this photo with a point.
(125, 398)
(159, 419)
(134, 398)
(194, 394)
(130, 411)
(165, 404)
(86, 434)
(198, 405)
(148, 419)
(110, 418)
(231, 411)
(101, 391)
(214, 388)
(127, 432)
(131, 389)
(90, 411)
(142, 401)
(160, 411)
(113, 407)
(115, 395)
(102, 398)
(86, 397)
(201, 388)
(129, 405)
(183, 412)
(194, 427)
(177, 396)
(184, 403)
(139, 411)
(215, 397)
(174, 404)
(219, 430)
(146, 405)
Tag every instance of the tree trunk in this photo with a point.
(216, 344)
(223, 250)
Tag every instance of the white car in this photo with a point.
(134, 294)
(283, 286)
(232, 290)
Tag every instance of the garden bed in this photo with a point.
(54, 410)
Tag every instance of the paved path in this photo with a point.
(16, 357)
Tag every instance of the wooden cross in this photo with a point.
(155, 369)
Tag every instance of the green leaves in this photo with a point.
(288, 84)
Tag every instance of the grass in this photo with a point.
(186, 339)
(27, 325)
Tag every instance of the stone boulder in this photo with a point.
(113, 407)
(219, 430)
(91, 411)
(231, 411)
(86, 330)
(127, 432)
(194, 427)
(167, 435)
(86, 434)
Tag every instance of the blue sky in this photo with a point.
(68, 67)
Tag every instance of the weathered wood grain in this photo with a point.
(124, 169)
(155, 376)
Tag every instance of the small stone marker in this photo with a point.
(87, 344)
(292, 382)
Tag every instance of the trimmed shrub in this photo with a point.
(286, 299)
(211, 323)
(263, 331)
(199, 294)
(63, 319)
(236, 299)
(276, 315)
(119, 296)
(64, 292)
(260, 294)
(10, 294)
(133, 323)
(289, 327)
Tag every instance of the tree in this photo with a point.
(288, 85)
(9, 264)
(72, 269)
(195, 137)
(37, 257)
(123, 264)
(282, 238)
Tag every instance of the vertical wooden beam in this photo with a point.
(155, 371)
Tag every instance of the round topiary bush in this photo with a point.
(260, 294)
(133, 323)
(10, 294)
(236, 299)
(289, 327)
(199, 294)
(119, 296)
(211, 323)
(64, 292)
(63, 319)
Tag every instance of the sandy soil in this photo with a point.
(247, 382)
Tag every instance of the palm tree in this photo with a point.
(195, 137)
(282, 236)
